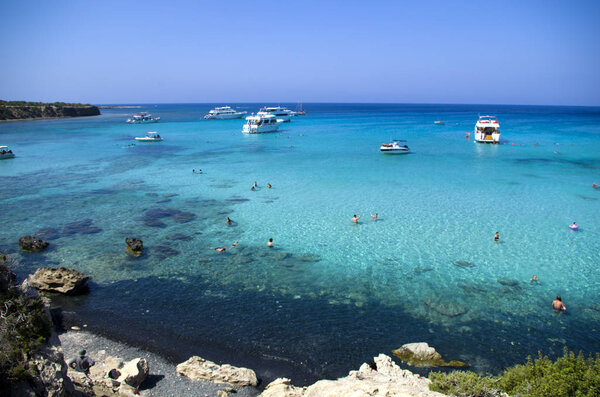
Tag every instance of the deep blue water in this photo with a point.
(331, 294)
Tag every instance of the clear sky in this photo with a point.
(508, 52)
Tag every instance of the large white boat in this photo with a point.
(143, 118)
(223, 113)
(261, 123)
(6, 153)
(394, 147)
(487, 130)
(150, 137)
(280, 113)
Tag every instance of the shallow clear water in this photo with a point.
(331, 294)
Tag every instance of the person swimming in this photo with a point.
(534, 279)
(355, 218)
(374, 217)
(221, 249)
(228, 221)
(558, 306)
(270, 243)
(255, 185)
(269, 185)
(497, 237)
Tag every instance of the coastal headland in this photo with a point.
(21, 110)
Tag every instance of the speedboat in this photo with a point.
(150, 137)
(394, 147)
(261, 123)
(280, 113)
(143, 118)
(222, 113)
(439, 122)
(487, 130)
(6, 153)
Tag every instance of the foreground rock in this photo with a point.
(30, 243)
(130, 376)
(423, 355)
(134, 246)
(385, 379)
(197, 368)
(59, 279)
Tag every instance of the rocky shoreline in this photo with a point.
(12, 111)
(121, 370)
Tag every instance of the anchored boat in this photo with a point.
(394, 147)
(487, 130)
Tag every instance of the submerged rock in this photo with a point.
(464, 264)
(382, 378)
(30, 243)
(423, 355)
(82, 227)
(197, 368)
(59, 279)
(47, 233)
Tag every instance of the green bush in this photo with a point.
(569, 375)
(24, 327)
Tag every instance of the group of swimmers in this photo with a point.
(255, 185)
(595, 185)
(355, 217)
(197, 172)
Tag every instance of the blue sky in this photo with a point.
(509, 52)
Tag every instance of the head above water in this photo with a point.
(558, 298)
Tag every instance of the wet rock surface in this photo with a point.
(30, 243)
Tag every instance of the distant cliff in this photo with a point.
(19, 110)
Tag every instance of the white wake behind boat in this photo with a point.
(143, 118)
(487, 130)
(6, 153)
(224, 113)
(394, 147)
(150, 137)
(261, 123)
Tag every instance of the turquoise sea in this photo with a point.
(331, 294)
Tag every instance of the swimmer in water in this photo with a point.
(497, 237)
(269, 185)
(255, 185)
(534, 279)
(374, 217)
(355, 218)
(574, 225)
(221, 249)
(253, 188)
(228, 221)
(270, 243)
(558, 306)
(594, 185)
(234, 244)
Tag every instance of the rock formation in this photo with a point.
(197, 368)
(134, 246)
(30, 243)
(60, 279)
(386, 380)
(131, 374)
(19, 110)
(422, 355)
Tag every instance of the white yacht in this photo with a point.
(143, 118)
(487, 130)
(280, 113)
(224, 112)
(261, 123)
(6, 153)
(394, 147)
(150, 137)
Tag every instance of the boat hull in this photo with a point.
(260, 130)
(7, 156)
(148, 139)
(394, 151)
(225, 116)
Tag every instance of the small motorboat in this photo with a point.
(6, 153)
(394, 147)
(439, 122)
(150, 137)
